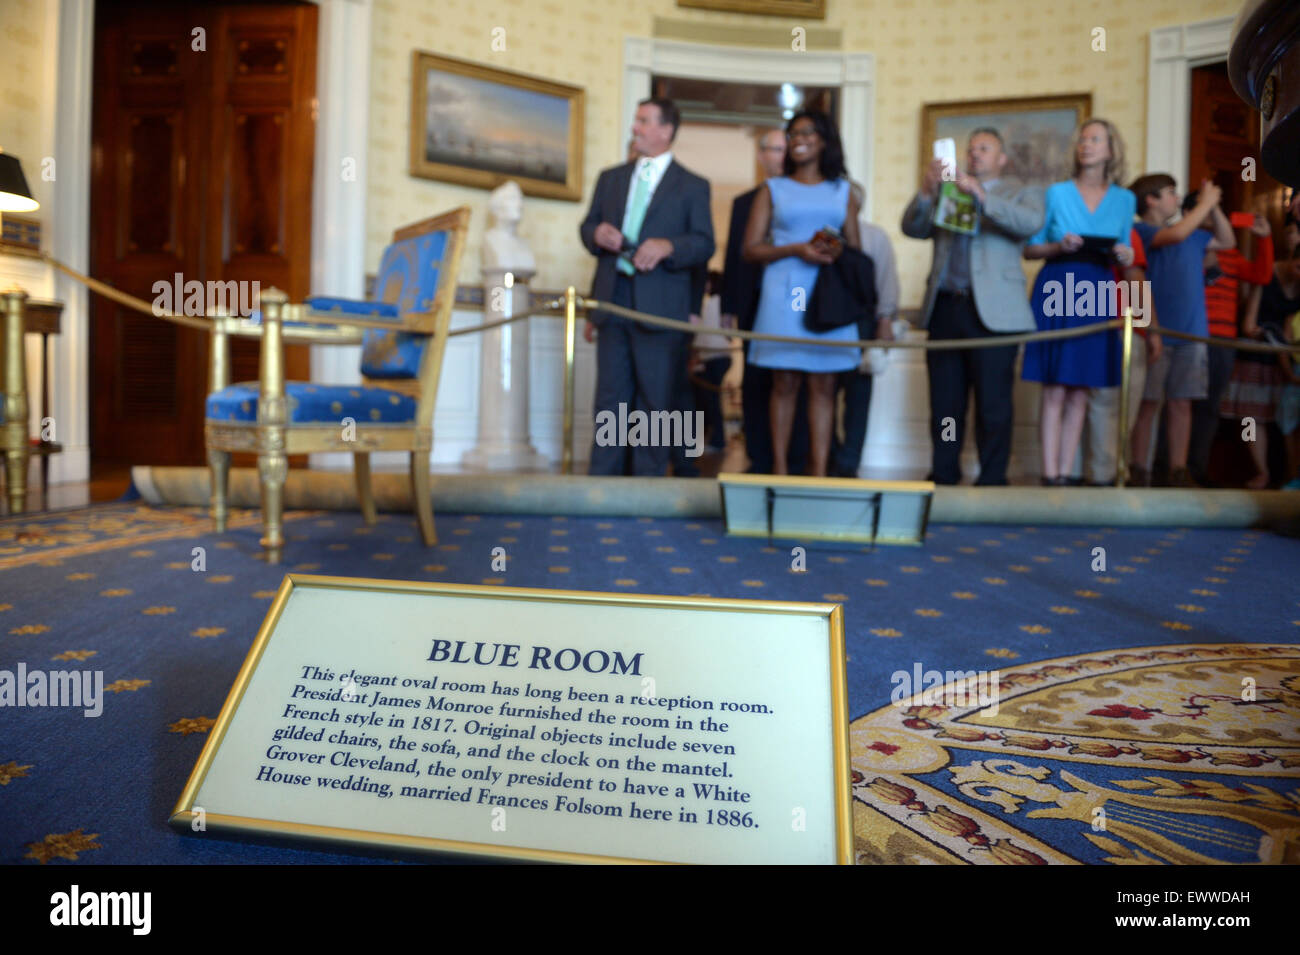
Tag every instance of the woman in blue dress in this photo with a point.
(1092, 204)
(785, 233)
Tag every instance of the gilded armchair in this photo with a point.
(403, 334)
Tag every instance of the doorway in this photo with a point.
(203, 138)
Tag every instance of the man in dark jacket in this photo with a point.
(741, 282)
(649, 226)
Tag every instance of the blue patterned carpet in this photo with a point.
(1086, 720)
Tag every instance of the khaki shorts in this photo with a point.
(1181, 373)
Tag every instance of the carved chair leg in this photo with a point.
(361, 467)
(219, 465)
(422, 496)
(272, 469)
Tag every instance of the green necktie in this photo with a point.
(635, 214)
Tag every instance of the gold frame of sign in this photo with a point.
(372, 842)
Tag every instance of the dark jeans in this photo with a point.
(709, 400)
(953, 373)
(846, 455)
(1205, 413)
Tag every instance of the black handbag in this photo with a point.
(845, 293)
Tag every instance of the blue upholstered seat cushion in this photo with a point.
(316, 404)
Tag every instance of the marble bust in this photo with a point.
(502, 246)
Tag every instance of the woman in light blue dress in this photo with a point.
(1090, 203)
(786, 233)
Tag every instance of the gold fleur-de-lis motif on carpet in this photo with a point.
(117, 686)
(1002, 652)
(1064, 610)
(1190, 608)
(625, 582)
(1086, 593)
(997, 581)
(1202, 592)
(263, 594)
(1035, 628)
(62, 845)
(927, 612)
(12, 770)
(835, 598)
(29, 628)
(752, 583)
(872, 582)
(4, 607)
(191, 724)
(158, 611)
(963, 595)
(886, 632)
(74, 655)
(221, 578)
(116, 592)
(208, 632)
(81, 576)
(1175, 625)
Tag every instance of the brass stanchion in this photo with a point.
(570, 328)
(1126, 357)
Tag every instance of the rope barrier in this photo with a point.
(552, 308)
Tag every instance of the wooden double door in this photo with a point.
(203, 145)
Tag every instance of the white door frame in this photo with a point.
(1173, 52)
(853, 73)
(338, 202)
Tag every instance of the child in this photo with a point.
(1176, 253)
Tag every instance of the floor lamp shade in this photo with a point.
(15, 196)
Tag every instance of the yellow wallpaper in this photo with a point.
(925, 51)
(22, 40)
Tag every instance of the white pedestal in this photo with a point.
(503, 442)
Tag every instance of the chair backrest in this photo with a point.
(417, 274)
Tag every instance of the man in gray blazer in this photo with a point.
(976, 289)
(649, 227)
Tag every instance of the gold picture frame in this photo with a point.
(771, 8)
(191, 815)
(1049, 120)
(450, 142)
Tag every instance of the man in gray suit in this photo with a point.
(649, 227)
(976, 289)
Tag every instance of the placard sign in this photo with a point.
(534, 724)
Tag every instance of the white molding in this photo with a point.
(338, 224)
(1173, 52)
(70, 239)
(854, 73)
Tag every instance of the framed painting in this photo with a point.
(772, 8)
(479, 126)
(1036, 130)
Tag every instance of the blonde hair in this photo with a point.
(1115, 171)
